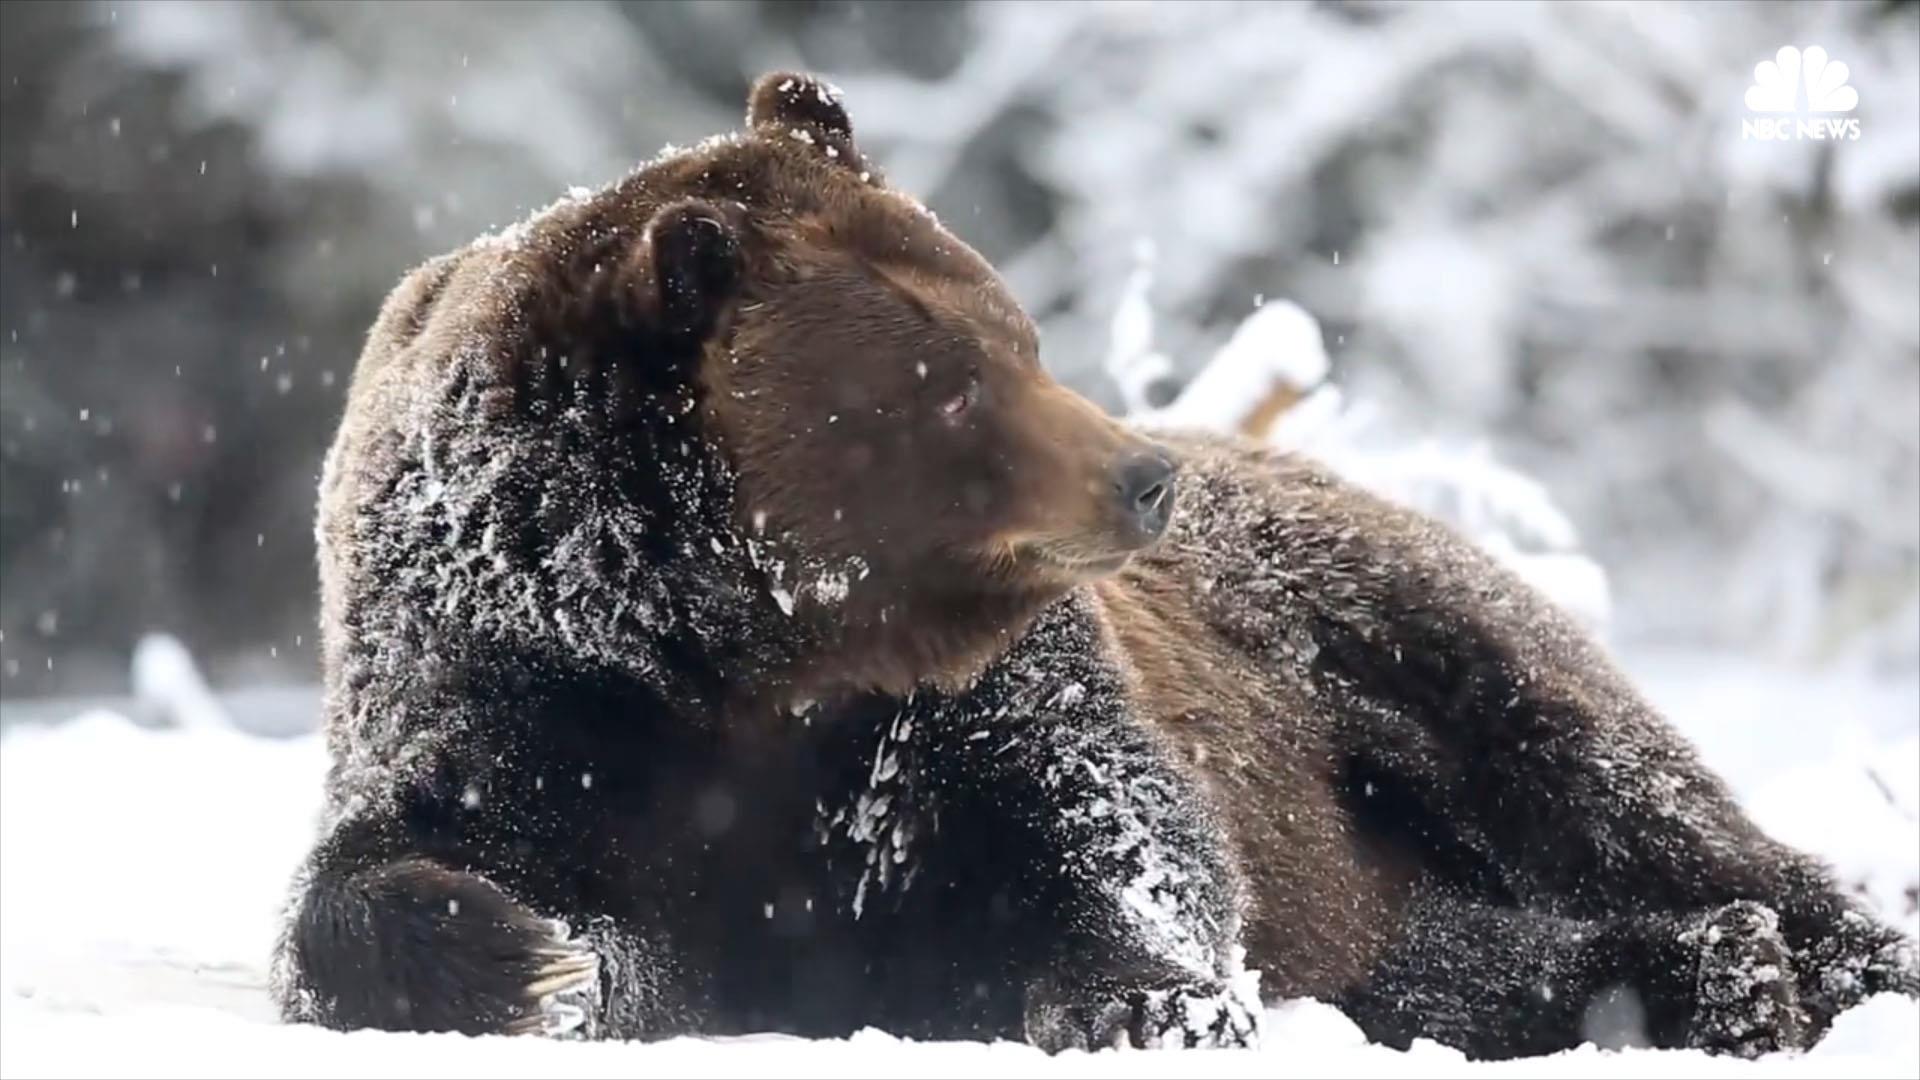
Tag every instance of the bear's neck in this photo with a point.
(906, 641)
(654, 588)
(822, 628)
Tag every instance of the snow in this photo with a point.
(1131, 360)
(143, 869)
(165, 676)
(1278, 354)
(1279, 345)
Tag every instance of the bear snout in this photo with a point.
(1143, 485)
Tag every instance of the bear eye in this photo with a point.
(956, 406)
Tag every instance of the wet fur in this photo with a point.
(661, 629)
(1456, 817)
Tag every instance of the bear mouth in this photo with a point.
(1077, 565)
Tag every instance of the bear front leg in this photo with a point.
(1100, 1013)
(1149, 953)
(1132, 880)
(412, 945)
(1521, 745)
(1502, 982)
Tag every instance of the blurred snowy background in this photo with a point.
(1513, 262)
(1529, 231)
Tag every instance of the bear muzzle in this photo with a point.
(1143, 486)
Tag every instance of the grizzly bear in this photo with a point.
(729, 626)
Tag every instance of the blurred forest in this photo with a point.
(1535, 225)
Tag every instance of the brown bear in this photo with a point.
(729, 626)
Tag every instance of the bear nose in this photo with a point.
(1144, 484)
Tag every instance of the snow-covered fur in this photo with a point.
(729, 627)
(666, 600)
(1531, 837)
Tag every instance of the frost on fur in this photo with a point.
(1047, 734)
(1747, 1001)
(1133, 833)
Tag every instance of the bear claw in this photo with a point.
(561, 991)
(569, 970)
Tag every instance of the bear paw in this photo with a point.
(1207, 1015)
(1747, 1001)
(1196, 1017)
(561, 993)
(1857, 960)
(417, 946)
(1058, 1018)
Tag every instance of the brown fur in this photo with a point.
(749, 436)
(865, 287)
(835, 271)
(1323, 901)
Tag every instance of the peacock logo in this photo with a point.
(1776, 95)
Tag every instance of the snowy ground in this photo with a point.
(142, 869)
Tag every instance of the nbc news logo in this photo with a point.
(1776, 94)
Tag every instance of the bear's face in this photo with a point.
(880, 395)
(892, 406)
(747, 423)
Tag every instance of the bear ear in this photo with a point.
(693, 250)
(789, 105)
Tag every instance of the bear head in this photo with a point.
(748, 417)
